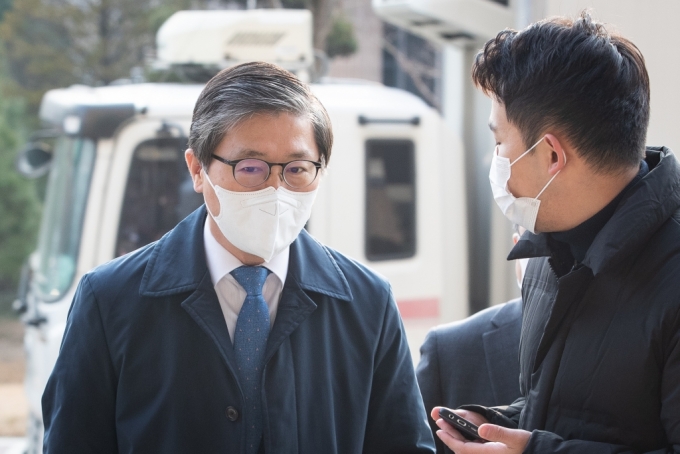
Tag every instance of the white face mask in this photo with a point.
(265, 222)
(523, 210)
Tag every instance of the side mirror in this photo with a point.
(34, 160)
(20, 304)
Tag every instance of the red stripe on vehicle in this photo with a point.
(420, 308)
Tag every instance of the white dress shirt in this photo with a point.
(229, 292)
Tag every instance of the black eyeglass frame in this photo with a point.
(283, 165)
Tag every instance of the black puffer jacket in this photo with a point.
(600, 344)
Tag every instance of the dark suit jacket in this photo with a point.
(147, 366)
(472, 361)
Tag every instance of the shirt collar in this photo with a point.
(222, 262)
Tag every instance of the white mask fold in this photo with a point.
(264, 222)
(522, 211)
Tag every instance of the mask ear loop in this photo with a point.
(526, 152)
(208, 178)
(215, 191)
(550, 181)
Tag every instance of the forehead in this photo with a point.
(498, 119)
(502, 129)
(273, 137)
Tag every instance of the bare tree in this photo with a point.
(417, 71)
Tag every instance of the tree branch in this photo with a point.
(416, 71)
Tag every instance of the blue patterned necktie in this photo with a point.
(250, 340)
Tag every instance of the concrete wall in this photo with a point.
(652, 26)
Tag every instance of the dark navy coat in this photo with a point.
(146, 364)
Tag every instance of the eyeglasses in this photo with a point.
(253, 172)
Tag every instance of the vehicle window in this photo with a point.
(159, 193)
(390, 199)
(66, 199)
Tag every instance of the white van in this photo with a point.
(392, 198)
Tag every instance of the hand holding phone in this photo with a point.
(462, 425)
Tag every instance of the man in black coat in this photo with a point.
(600, 343)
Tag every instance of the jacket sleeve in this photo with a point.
(542, 442)
(429, 380)
(79, 401)
(397, 422)
(507, 416)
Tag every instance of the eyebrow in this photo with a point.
(492, 126)
(249, 153)
(301, 155)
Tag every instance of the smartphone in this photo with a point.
(462, 425)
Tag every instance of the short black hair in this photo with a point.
(237, 93)
(577, 77)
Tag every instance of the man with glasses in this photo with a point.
(237, 332)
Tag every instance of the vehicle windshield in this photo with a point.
(159, 193)
(59, 240)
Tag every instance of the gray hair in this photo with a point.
(236, 94)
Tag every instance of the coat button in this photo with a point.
(232, 414)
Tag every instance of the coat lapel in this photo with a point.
(204, 308)
(311, 269)
(294, 307)
(499, 363)
(178, 266)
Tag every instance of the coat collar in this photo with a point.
(178, 263)
(315, 270)
(510, 311)
(643, 209)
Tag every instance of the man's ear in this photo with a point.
(195, 167)
(558, 157)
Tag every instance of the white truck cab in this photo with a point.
(392, 198)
